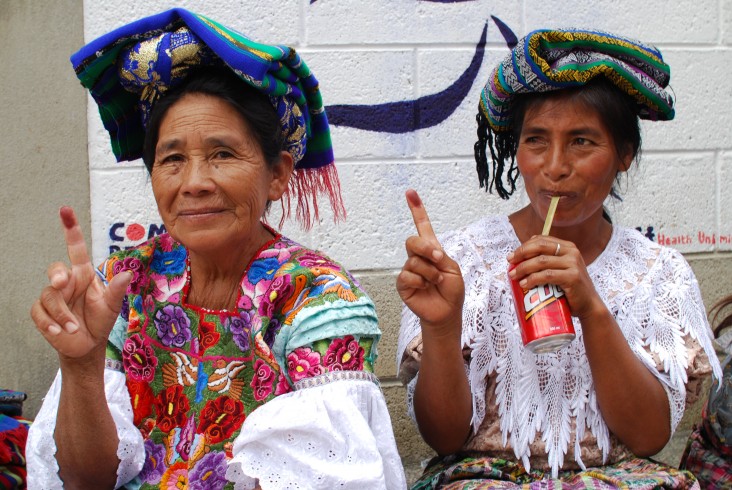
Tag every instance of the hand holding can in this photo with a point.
(543, 311)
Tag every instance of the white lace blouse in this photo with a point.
(540, 407)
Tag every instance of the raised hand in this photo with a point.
(75, 312)
(430, 282)
(431, 285)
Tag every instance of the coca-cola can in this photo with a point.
(544, 317)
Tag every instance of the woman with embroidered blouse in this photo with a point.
(220, 354)
(562, 111)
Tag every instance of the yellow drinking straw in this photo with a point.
(550, 215)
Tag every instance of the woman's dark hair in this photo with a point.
(616, 109)
(254, 106)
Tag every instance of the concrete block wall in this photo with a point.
(44, 164)
(399, 52)
(365, 53)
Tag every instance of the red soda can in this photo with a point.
(544, 317)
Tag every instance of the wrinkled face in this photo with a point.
(210, 179)
(565, 149)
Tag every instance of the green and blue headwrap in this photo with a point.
(548, 60)
(129, 69)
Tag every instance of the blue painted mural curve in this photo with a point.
(506, 32)
(409, 115)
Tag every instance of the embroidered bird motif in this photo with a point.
(326, 281)
(182, 371)
(301, 282)
(333, 283)
(262, 350)
(223, 379)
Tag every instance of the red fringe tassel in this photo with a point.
(305, 185)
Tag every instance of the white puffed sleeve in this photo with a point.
(334, 435)
(41, 447)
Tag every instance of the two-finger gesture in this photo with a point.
(430, 283)
(75, 312)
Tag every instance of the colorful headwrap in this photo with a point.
(130, 68)
(548, 60)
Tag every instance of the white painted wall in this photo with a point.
(375, 51)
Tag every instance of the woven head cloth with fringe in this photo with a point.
(554, 59)
(129, 69)
(547, 60)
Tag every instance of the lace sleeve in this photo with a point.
(666, 326)
(41, 448)
(336, 435)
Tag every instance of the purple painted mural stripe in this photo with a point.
(410, 115)
(506, 32)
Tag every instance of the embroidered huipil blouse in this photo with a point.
(541, 409)
(282, 387)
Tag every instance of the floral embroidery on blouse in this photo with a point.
(194, 375)
(340, 354)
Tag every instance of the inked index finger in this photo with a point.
(75, 244)
(420, 217)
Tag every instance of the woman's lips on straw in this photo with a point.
(560, 194)
(565, 198)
